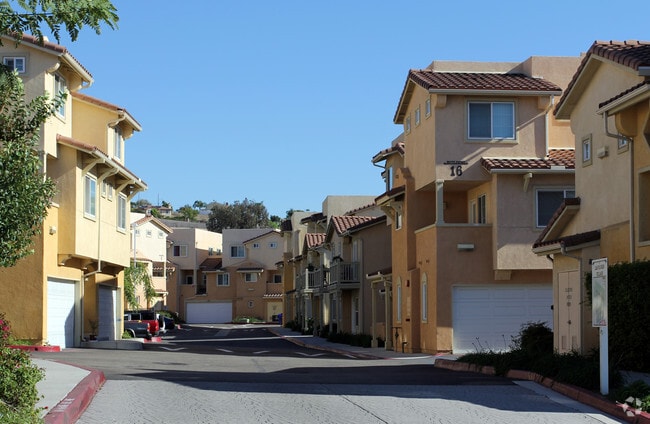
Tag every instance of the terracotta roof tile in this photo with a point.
(571, 201)
(344, 223)
(633, 54)
(397, 148)
(572, 240)
(555, 158)
(623, 93)
(314, 239)
(431, 80)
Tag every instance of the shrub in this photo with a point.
(18, 378)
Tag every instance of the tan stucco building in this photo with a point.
(607, 105)
(470, 184)
(75, 278)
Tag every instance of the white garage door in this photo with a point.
(487, 317)
(60, 313)
(107, 298)
(209, 313)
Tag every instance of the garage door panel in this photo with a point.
(60, 313)
(488, 317)
(209, 313)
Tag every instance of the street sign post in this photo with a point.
(599, 316)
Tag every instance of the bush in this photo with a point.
(18, 378)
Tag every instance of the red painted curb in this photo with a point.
(30, 348)
(69, 410)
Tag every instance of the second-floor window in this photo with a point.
(121, 213)
(547, 202)
(237, 251)
(117, 143)
(16, 63)
(90, 196)
(223, 279)
(491, 120)
(250, 277)
(60, 86)
(180, 250)
(277, 278)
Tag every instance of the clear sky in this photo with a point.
(286, 102)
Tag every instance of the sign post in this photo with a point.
(599, 317)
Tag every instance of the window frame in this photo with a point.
(427, 108)
(538, 190)
(60, 85)
(90, 196)
(424, 312)
(492, 120)
(253, 277)
(225, 280)
(13, 66)
(180, 248)
(398, 301)
(240, 249)
(118, 143)
(587, 150)
(418, 117)
(121, 213)
(407, 124)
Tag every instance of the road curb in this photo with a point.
(69, 410)
(576, 393)
(322, 348)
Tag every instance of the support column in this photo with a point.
(373, 313)
(388, 308)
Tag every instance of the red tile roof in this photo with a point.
(566, 204)
(314, 239)
(397, 148)
(633, 54)
(344, 223)
(623, 93)
(102, 103)
(555, 158)
(431, 80)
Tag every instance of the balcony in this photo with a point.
(344, 276)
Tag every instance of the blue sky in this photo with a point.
(286, 102)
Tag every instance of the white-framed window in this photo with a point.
(427, 107)
(104, 188)
(398, 301)
(90, 196)
(389, 178)
(121, 213)
(237, 251)
(149, 233)
(256, 245)
(586, 150)
(109, 190)
(60, 86)
(417, 116)
(250, 277)
(478, 210)
(223, 280)
(180, 251)
(423, 295)
(491, 120)
(16, 63)
(118, 141)
(273, 245)
(623, 144)
(407, 124)
(547, 201)
(161, 234)
(398, 220)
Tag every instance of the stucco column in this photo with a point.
(388, 308)
(373, 312)
(440, 213)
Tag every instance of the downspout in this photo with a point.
(631, 206)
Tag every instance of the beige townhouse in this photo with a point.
(72, 286)
(149, 247)
(476, 175)
(192, 251)
(606, 102)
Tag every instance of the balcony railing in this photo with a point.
(345, 275)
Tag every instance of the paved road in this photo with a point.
(241, 376)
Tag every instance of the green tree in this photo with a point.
(25, 194)
(32, 16)
(188, 213)
(244, 214)
(199, 204)
(136, 276)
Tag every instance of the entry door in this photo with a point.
(107, 298)
(569, 322)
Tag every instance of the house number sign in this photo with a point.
(455, 167)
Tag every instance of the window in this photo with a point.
(407, 125)
(180, 250)
(277, 278)
(16, 63)
(548, 200)
(121, 214)
(104, 188)
(273, 245)
(479, 210)
(237, 252)
(189, 279)
(161, 234)
(417, 116)
(117, 142)
(223, 279)
(149, 233)
(256, 245)
(110, 191)
(250, 277)
(622, 143)
(389, 178)
(210, 251)
(491, 120)
(398, 220)
(60, 87)
(90, 196)
(427, 108)
(398, 301)
(424, 297)
(586, 150)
